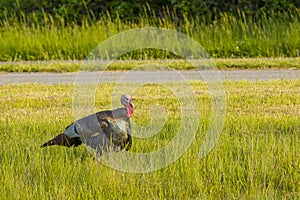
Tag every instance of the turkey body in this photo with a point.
(103, 131)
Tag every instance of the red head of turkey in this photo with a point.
(126, 100)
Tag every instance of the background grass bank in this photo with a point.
(177, 64)
(257, 156)
(228, 36)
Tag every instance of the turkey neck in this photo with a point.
(129, 110)
(119, 113)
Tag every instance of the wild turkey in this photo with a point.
(103, 131)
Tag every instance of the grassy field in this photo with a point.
(227, 37)
(257, 156)
(222, 64)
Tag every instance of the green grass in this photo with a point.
(257, 156)
(227, 37)
(222, 64)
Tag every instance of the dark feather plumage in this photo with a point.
(63, 140)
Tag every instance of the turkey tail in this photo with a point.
(63, 140)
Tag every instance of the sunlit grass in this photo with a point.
(257, 156)
(178, 64)
(227, 37)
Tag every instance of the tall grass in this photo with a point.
(228, 36)
(257, 156)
